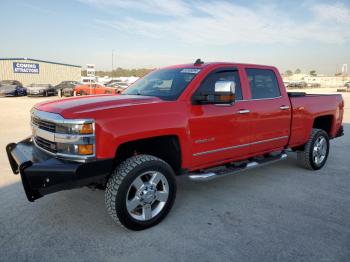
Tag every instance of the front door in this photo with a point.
(218, 132)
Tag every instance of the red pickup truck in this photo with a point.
(201, 120)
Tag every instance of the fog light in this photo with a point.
(86, 149)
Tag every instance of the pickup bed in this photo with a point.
(201, 120)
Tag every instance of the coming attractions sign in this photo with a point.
(29, 68)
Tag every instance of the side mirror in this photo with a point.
(224, 92)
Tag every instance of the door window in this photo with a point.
(208, 86)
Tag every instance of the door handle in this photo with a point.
(243, 111)
(284, 107)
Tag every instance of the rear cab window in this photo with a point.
(263, 83)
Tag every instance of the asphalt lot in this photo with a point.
(276, 213)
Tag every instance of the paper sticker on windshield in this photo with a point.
(190, 70)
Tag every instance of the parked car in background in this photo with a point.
(119, 87)
(12, 88)
(41, 90)
(346, 88)
(66, 87)
(113, 81)
(314, 85)
(94, 89)
(68, 91)
(87, 80)
(299, 84)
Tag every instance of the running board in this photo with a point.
(205, 176)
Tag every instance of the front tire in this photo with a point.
(140, 192)
(316, 150)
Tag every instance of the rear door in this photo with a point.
(269, 110)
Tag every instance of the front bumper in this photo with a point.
(43, 174)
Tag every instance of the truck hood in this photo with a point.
(74, 106)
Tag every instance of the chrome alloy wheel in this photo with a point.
(320, 150)
(147, 195)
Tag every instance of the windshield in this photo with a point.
(166, 84)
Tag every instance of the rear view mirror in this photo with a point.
(224, 92)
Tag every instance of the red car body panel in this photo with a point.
(208, 134)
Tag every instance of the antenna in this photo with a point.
(198, 62)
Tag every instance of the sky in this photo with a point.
(310, 35)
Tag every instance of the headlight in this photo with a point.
(75, 138)
(75, 129)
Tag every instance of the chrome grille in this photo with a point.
(45, 144)
(45, 125)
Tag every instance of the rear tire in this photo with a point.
(316, 150)
(140, 192)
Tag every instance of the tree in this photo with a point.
(289, 73)
(121, 72)
(298, 71)
(313, 73)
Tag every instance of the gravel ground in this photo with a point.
(275, 213)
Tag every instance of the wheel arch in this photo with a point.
(324, 122)
(165, 147)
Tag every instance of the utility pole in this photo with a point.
(112, 63)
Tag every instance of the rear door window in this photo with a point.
(263, 83)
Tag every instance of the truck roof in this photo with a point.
(211, 64)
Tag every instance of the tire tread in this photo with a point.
(303, 157)
(116, 179)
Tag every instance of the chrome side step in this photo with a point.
(205, 176)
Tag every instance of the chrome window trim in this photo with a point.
(238, 146)
(245, 100)
(257, 99)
